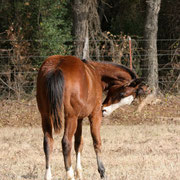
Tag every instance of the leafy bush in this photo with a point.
(55, 28)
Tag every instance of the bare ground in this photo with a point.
(163, 110)
(136, 146)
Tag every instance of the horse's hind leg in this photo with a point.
(78, 148)
(48, 145)
(69, 131)
(95, 123)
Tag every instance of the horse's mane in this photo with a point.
(132, 73)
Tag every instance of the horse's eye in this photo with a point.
(122, 94)
(140, 91)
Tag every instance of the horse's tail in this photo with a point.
(55, 90)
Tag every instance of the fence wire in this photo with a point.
(18, 70)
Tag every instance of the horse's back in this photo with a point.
(58, 61)
(72, 67)
(82, 85)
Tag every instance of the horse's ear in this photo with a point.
(136, 82)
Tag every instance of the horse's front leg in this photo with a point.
(78, 146)
(95, 123)
(69, 131)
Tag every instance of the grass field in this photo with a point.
(143, 146)
(139, 152)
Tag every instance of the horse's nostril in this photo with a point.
(103, 110)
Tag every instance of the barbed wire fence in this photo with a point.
(18, 73)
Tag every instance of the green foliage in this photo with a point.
(24, 18)
(55, 28)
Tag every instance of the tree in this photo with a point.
(86, 26)
(151, 29)
(80, 30)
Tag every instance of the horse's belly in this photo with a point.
(85, 111)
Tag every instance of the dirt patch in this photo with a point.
(19, 113)
(164, 110)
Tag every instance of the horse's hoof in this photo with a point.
(101, 170)
(48, 175)
(79, 174)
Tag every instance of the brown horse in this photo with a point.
(76, 85)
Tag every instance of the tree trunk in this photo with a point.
(151, 28)
(86, 44)
(80, 31)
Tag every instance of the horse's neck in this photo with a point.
(104, 69)
(112, 74)
(112, 71)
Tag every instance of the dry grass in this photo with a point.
(136, 146)
(19, 113)
(25, 113)
(129, 152)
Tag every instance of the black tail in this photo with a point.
(55, 90)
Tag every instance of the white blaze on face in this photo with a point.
(124, 101)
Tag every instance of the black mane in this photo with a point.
(132, 73)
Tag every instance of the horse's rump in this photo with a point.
(50, 90)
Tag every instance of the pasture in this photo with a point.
(135, 146)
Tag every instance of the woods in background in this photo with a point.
(99, 29)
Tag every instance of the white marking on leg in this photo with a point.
(78, 166)
(78, 163)
(70, 174)
(48, 175)
(124, 101)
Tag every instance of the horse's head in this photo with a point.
(123, 95)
